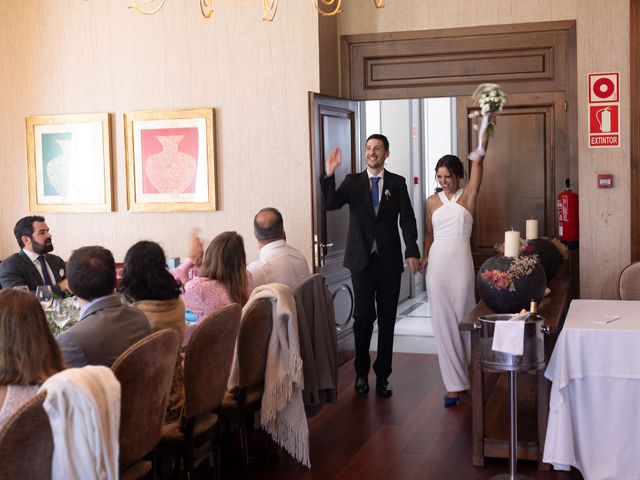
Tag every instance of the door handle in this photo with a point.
(318, 251)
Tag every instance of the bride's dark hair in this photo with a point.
(453, 164)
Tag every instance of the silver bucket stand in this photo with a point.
(532, 359)
(513, 432)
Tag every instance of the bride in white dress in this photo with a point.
(447, 252)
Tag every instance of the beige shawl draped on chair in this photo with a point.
(282, 414)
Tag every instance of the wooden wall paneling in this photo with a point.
(451, 62)
(328, 55)
(634, 58)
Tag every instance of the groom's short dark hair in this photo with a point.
(379, 136)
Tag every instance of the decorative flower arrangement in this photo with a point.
(520, 267)
(525, 248)
(490, 98)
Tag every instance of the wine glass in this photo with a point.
(59, 312)
(73, 305)
(44, 294)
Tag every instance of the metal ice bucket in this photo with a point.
(532, 357)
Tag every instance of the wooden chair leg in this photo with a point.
(245, 450)
(188, 458)
(175, 472)
(215, 452)
(242, 423)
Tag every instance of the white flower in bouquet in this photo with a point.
(490, 98)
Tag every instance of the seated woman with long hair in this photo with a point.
(28, 352)
(147, 283)
(222, 278)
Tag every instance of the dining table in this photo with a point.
(594, 406)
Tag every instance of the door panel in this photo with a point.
(334, 123)
(524, 170)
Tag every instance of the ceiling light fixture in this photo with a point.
(327, 8)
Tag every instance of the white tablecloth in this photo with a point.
(594, 409)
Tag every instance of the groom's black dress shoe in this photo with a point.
(383, 389)
(362, 385)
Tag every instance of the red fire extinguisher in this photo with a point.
(568, 216)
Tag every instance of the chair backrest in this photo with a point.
(144, 371)
(629, 282)
(253, 343)
(26, 443)
(207, 360)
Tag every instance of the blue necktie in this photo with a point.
(45, 271)
(375, 195)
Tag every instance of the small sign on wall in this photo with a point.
(604, 110)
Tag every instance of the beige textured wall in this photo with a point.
(603, 46)
(74, 56)
(95, 55)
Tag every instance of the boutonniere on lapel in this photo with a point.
(61, 272)
(387, 194)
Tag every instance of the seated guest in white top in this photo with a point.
(278, 261)
(107, 325)
(28, 352)
(33, 265)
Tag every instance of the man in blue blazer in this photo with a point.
(377, 198)
(33, 265)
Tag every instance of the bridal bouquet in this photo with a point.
(490, 98)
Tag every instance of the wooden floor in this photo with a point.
(408, 436)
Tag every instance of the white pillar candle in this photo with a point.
(512, 244)
(532, 229)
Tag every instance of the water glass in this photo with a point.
(73, 304)
(44, 294)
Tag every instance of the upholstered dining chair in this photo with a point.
(26, 443)
(207, 362)
(144, 371)
(245, 398)
(629, 282)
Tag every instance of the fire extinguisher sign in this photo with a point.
(604, 110)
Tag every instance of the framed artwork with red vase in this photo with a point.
(170, 157)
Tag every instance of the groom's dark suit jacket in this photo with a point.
(365, 225)
(18, 269)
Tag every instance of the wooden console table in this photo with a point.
(489, 392)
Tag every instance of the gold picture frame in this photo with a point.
(170, 156)
(69, 163)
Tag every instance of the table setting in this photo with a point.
(595, 373)
(62, 312)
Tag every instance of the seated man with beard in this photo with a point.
(33, 265)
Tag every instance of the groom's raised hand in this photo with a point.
(333, 161)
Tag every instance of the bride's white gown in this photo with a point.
(450, 287)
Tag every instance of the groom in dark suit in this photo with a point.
(33, 265)
(377, 198)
